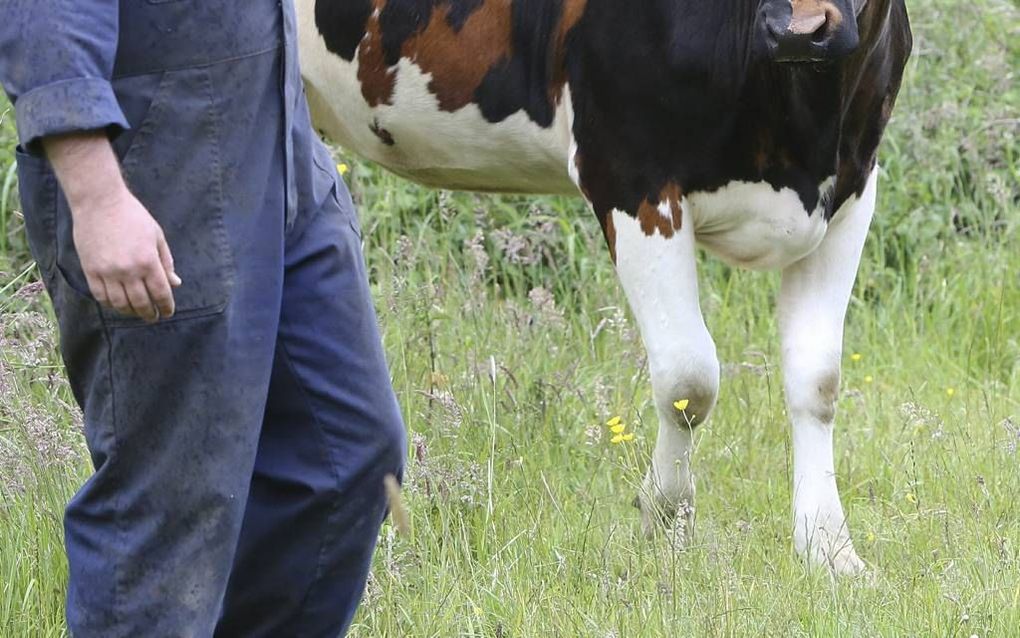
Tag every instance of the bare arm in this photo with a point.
(122, 249)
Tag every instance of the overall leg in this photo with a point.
(659, 276)
(173, 410)
(332, 431)
(812, 307)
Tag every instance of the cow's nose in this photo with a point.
(808, 34)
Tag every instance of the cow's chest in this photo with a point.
(753, 225)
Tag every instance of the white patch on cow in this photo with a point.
(459, 150)
(812, 306)
(752, 225)
(659, 276)
(572, 169)
(666, 210)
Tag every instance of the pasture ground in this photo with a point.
(511, 347)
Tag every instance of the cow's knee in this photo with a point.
(687, 377)
(685, 384)
(812, 386)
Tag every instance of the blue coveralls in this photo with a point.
(239, 447)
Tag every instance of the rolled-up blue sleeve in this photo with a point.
(56, 61)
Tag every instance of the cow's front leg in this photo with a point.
(657, 267)
(812, 306)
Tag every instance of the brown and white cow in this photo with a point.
(747, 126)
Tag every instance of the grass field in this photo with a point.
(511, 346)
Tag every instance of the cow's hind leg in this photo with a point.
(812, 305)
(659, 276)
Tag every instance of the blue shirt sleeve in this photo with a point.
(56, 61)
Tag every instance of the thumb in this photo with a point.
(168, 261)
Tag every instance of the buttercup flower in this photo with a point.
(619, 430)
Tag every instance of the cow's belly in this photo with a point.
(413, 137)
(752, 225)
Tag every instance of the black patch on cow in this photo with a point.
(459, 12)
(694, 102)
(381, 133)
(873, 90)
(342, 24)
(524, 80)
(400, 20)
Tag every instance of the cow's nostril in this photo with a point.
(821, 34)
(827, 28)
(808, 24)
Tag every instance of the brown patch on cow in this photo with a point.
(652, 219)
(377, 80)
(458, 60)
(809, 15)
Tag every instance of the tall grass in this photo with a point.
(510, 347)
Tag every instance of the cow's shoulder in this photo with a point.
(871, 85)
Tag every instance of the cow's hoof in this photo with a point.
(844, 562)
(833, 551)
(660, 517)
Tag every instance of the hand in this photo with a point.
(122, 249)
(125, 257)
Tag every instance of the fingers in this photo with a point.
(150, 299)
(117, 297)
(158, 289)
(138, 298)
(167, 259)
(142, 291)
(98, 289)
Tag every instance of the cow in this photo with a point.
(749, 127)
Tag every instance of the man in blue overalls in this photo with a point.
(204, 261)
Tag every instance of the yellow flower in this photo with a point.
(856, 357)
(871, 537)
(682, 404)
(614, 421)
(912, 498)
(342, 168)
(618, 428)
(622, 438)
(869, 379)
(950, 392)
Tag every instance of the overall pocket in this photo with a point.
(172, 165)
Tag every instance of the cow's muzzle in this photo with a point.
(810, 30)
